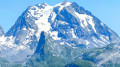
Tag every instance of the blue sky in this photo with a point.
(108, 11)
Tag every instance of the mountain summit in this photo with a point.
(67, 24)
(64, 2)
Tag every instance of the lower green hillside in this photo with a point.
(5, 63)
(51, 54)
(81, 63)
(52, 61)
(56, 55)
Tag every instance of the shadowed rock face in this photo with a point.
(40, 47)
(41, 43)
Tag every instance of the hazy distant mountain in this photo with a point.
(1, 31)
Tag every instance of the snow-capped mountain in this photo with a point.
(66, 23)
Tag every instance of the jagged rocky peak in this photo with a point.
(64, 2)
(1, 31)
(43, 5)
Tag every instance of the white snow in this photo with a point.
(21, 47)
(42, 21)
(105, 39)
(2, 39)
(7, 41)
(102, 24)
(63, 22)
(54, 35)
(62, 5)
(93, 25)
(24, 29)
(53, 14)
(84, 23)
(72, 31)
(82, 18)
(62, 43)
(98, 41)
(87, 42)
(95, 45)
